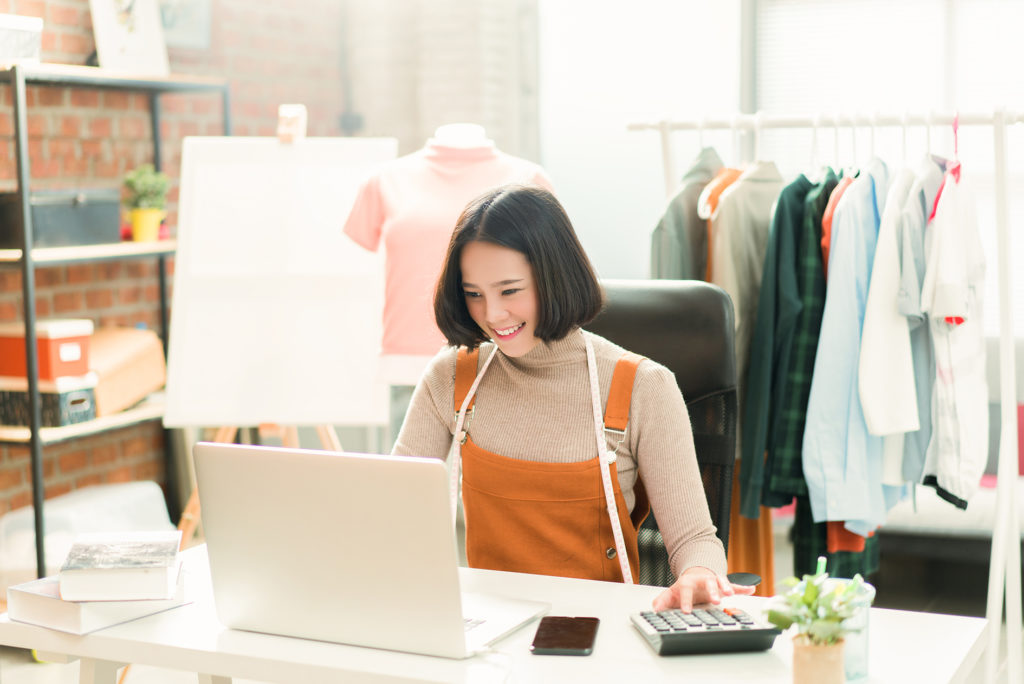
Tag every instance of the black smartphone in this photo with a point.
(558, 635)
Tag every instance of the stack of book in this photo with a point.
(105, 580)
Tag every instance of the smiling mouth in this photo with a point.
(508, 332)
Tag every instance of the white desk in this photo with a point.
(904, 646)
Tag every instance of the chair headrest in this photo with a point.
(685, 325)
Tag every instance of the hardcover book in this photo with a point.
(121, 566)
(39, 603)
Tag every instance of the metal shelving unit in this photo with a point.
(62, 256)
(150, 408)
(62, 75)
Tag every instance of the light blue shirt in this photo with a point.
(842, 460)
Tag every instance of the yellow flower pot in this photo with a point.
(146, 224)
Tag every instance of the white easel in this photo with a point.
(291, 129)
(1004, 568)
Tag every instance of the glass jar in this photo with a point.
(855, 659)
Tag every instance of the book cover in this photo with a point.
(121, 566)
(39, 603)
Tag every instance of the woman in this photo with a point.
(522, 413)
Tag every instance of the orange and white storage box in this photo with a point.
(130, 365)
(62, 344)
(65, 401)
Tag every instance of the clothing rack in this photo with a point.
(1004, 568)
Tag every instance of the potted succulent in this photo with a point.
(146, 197)
(825, 611)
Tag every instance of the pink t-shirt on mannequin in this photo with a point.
(411, 205)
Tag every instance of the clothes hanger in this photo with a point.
(872, 124)
(853, 143)
(758, 122)
(954, 168)
(737, 153)
(928, 119)
(836, 161)
(852, 169)
(906, 120)
(817, 172)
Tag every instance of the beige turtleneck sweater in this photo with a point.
(537, 407)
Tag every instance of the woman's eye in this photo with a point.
(471, 294)
(510, 292)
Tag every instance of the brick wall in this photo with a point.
(270, 53)
(412, 66)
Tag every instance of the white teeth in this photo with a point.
(509, 331)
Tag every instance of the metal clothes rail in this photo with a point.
(1004, 569)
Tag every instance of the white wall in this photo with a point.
(602, 66)
(416, 65)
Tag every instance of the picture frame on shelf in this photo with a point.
(186, 23)
(129, 36)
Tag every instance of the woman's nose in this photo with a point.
(495, 310)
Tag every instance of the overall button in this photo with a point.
(610, 552)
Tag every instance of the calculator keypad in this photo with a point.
(703, 631)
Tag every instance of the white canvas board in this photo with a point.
(129, 36)
(276, 314)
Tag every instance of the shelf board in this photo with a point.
(50, 256)
(72, 74)
(151, 408)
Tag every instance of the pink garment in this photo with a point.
(412, 204)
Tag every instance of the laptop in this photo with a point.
(350, 548)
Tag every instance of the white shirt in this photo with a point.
(952, 292)
(911, 239)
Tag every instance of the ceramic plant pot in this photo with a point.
(816, 664)
(146, 224)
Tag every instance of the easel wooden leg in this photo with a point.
(328, 437)
(225, 434)
(290, 437)
(190, 515)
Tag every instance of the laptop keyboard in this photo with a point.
(470, 623)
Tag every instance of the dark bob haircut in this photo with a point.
(531, 221)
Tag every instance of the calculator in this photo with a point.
(712, 630)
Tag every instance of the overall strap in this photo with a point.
(465, 374)
(606, 457)
(616, 411)
(616, 418)
(467, 379)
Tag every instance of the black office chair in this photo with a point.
(687, 326)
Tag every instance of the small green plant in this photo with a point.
(818, 607)
(145, 188)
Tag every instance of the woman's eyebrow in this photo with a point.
(510, 281)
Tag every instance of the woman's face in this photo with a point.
(497, 283)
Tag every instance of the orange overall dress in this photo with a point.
(547, 518)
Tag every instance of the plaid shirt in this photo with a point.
(810, 540)
(777, 309)
(784, 472)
